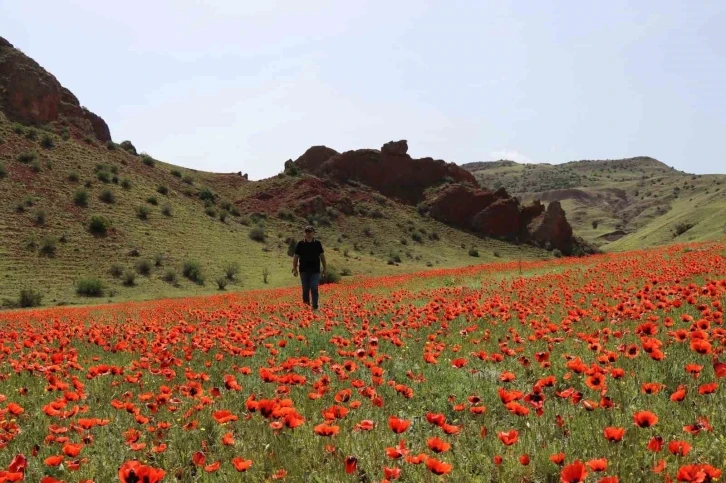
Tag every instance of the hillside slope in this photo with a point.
(619, 204)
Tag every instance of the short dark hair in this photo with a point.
(309, 228)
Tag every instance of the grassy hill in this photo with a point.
(160, 216)
(619, 204)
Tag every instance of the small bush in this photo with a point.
(35, 167)
(332, 276)
(73, 177)
(27, 157)
(126, 184)
(104, 176)
(422, 209)
(193, 271)
(110, 145)
(170, 277)
(206, 194)
(265, 275)
(595, 224)
(234, 211)
(497, 254)
(434, 236)
(48, 246)
(166, 210)
(18, 128)
(80, 198)
(417, 237)
(90, 287)
(284, 214)
(143, 267)
(346, 272)
(257, 234)
(39, 217)
(99, 225)
(231, 270)
(3, 172)
(210, 211)
(107, 196)
(473, 252)
(557, 253)
(159, 260)
(148, 160)
(47, 141)
(222, 283)
(143, 212)
(188, 179)
(129, 278)
(29, 298)
(152, 200)
(31, 133)
(681, 228)
(223, 216)
(116, 270)
(176, 173)
(163, 190)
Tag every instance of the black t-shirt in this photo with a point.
(309, 254)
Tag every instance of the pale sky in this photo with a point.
(235, 85)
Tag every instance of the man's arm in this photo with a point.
(325, 264)
(295, 259)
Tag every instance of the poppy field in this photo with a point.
(602, 369)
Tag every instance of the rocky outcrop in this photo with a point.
(31, 95)
(497, 214)
(390, 170)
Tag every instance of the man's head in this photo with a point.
(309, 232)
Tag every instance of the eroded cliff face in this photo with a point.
(31, 95)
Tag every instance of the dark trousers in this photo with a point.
(310, 282)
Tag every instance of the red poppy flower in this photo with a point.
(558, 458)
(326, 430)
(600, 464)
(508, 437)
(351, 463)
(645, 419)
(134, 472)
(613, 434)
(655, 444)
(391, 473)
(437, 445)
(573, 473)
(524, 459)
(679, 448)
(241, 464)
(438, 467)
(398, 425)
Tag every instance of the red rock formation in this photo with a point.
(31, 95)
(390, 171)
(552, 227)
(457, 204)
(313, 158)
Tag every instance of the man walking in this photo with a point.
(309, 252)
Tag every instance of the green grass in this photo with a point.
(637, 202)
(180, 230)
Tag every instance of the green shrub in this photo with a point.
(143, 267)
(497, 254)
(128, 147)
(99, 225)
(222, 283)
(3, 171)
(159, 260)
(35, 167)
(210, 211)
(148, 160)
(90, 287)
(332, 275)
(257, 234)
(234, 211)
(166, 210)
(126, 184)
(80, 197)
(116, 270)
(129, 278)
(176, 173)
(473, 252)
(18, 128)
(223, 216)
(143, 212)
(107, 196)
(152, 200)
(193, 271)
(31, 133)
(681, 228)
(104, 176)
(265, 274)
(73, 177)
(206, 194)
(65, 134)
(27, 157)
(284, 214)
(29, 298)
(188, 179)
(557, 253)
(170, 277)
(39, 217)
(346, 272)
(48, 246)
(110, 145)
(416, 236)
(595, 224)
(163, 190)
(231, 270)
(47, 141)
